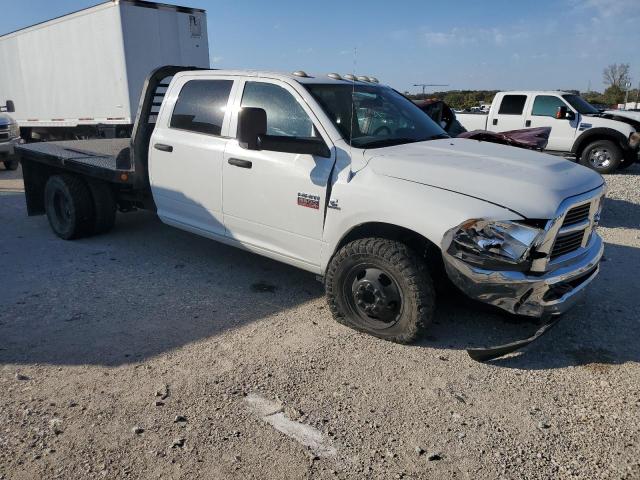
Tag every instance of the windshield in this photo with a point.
(381, 116)
(580, 104)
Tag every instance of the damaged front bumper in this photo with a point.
(522, 293)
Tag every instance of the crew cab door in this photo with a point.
(542, 113)
(186, 153)
(508, 114)
(275, 201)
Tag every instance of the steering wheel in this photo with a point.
(380, 129)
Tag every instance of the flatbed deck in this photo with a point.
(108, 159)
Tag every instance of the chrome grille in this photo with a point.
(567, 236)
(577, 215)
(567, 244)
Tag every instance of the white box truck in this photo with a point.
(81, 75)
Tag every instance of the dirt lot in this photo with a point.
(152, 353)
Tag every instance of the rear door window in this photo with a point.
(201, 106)
(546, 106)
(512, 105)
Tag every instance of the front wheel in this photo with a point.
(380, 287)
(603, 156)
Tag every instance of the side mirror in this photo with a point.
(10, 106)
(252, 135)
(252, 123)
(563, 113)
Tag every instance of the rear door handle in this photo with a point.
(527, 123)
(236, 162)
(495, 121)
(163, 148)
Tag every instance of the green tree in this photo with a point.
(613, 95)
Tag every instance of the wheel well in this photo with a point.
(594, 138)
(424, 247)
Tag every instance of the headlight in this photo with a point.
(14, 130)
(494, 244)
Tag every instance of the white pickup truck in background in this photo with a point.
(346, 179)
(9, 138)
(603, 141)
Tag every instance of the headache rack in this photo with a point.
(117, 160)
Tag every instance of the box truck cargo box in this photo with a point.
(87, 69)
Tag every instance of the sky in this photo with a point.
(467, 44)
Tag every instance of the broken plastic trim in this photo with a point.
(491, 353)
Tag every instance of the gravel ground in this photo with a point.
(153, 353)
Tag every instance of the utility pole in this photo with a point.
(626, 95)
(637, 95)
(424, 85)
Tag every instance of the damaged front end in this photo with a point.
(535, 271)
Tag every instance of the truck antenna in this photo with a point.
(353, 78)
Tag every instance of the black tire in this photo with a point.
(104, 206)
(11, 164)
(603, 156)
(69, 206)
(400, 269)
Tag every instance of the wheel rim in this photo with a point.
(600, 158)
(373, 294)
(62, 208)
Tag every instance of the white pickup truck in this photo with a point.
(9, 138)
(343, 178)
(603, 141)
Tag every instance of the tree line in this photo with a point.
(615, 77)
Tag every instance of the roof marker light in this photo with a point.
(348, 76)
(300, 73)
(363, 78)
(335, 76)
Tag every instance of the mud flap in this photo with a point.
(484, 354)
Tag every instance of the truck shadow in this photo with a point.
(620, 214)
(146, 289)
(602, 330)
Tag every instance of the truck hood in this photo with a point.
(632, 118)
(529, 183)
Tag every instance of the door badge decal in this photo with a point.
(309, 201)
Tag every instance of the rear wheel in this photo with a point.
(11, 164)
(380, 287)
(603, 156)
(69, 206)
(104, 205)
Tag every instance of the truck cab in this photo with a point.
(601, 141)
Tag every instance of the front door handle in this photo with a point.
(527, 123)
(495, 121)
(236, 162)
(163, 148)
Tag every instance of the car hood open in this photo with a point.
(530, 183)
